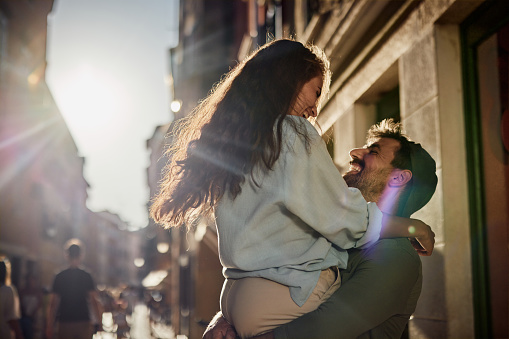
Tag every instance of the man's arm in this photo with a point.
(16, 328)
(93, 296)
(376, 286)
(54, 301)
(381, 281)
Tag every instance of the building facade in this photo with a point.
(439, 67)
(43, 191)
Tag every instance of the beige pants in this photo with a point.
(257, 305)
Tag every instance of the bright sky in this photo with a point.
(107, 63)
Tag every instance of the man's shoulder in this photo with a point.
(84, 273)
(73, 271)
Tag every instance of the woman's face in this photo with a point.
(307, 100)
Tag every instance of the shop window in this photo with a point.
(388, 106)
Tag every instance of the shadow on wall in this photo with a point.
(429, 320)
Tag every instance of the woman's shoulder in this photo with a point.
(294, 125)
(299, 132)
(7, 290)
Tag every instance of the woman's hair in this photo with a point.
(5, 271)
(235, 129)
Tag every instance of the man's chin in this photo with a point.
(351, 179)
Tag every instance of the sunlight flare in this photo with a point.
(91, 101)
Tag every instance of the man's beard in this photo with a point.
(371, 183)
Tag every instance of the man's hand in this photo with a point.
(219, 328)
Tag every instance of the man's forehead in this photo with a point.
(384, 144)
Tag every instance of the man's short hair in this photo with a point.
(73, 248)
(410, 156)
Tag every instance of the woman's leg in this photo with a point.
(258, 305)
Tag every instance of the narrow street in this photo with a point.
(140, 326)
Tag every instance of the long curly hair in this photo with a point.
(235, 129)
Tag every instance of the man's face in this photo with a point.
(370, 167)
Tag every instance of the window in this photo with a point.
(388, 106)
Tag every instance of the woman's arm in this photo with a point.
(399, 227)
(315, 192)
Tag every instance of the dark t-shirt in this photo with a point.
(73, 286)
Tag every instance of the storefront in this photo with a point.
(485, 42)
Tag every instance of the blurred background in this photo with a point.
(89, 90)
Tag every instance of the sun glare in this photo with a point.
(90, 100)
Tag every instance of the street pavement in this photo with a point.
(140, 326)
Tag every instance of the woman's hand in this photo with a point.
(424, 240)
(219, 328)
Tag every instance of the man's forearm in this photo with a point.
(96, 304)
(16, 328)
(52, 310)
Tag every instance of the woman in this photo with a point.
(30, 300)
(9, 304)
(283, 213)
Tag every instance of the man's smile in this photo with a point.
(355, 167)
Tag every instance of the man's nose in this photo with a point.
(358, 153)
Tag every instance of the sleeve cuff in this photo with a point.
(374, 227)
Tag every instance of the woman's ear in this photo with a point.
(399, 177)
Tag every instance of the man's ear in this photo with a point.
(399, 177)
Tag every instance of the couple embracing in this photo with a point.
(305, 252)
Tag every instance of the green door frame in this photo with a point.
(479, 26)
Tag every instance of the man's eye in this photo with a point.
(373, 152)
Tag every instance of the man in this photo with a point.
(72, 290)
(382, 283)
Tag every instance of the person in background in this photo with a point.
(9, 304)
(31, 301)
(72, 291)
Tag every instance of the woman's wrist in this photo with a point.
(400, 227)
(418, 229)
